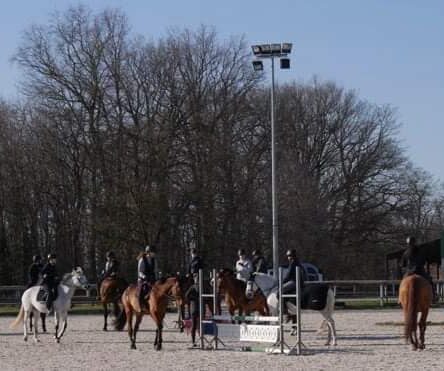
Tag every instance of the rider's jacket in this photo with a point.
(111, 268)
(244, 268)
(291, 273)
(195, 264)
(34, 274)
(49, 274)
(259, 264)
(146, 268)
(413, 261)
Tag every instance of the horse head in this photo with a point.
(79, 279)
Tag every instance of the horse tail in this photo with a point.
(120, 320)
(412, 313)
(19, 318)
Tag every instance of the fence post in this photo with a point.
(381, 294)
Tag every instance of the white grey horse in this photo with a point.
(65, 291)
(269, 287)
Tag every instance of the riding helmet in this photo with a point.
(292, 253)
(411, 241)
(52, 256)
(241, 252)
(110, 255)
(256, 252)
(36, 258)
(149, 248)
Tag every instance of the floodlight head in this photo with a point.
(286, 48)
(285, 63)
(265, 49)
(258, 65)
(276, 48)
(256, 49)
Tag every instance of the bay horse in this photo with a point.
(157, 303)
(235, 297)
(65, 292)
(111, 290)
(415, 295)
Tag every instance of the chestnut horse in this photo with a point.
(111, 290)
(235, 296)
(157, 303)
(415, 295)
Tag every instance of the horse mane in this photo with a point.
(227, 270)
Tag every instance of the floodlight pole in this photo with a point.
(275, 228)
(271, 51)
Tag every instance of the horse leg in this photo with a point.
(158, 346)
(65, 325)
(30, 320)
(105, 316)
(422, 327)
(129, 323)
(36, 323)
(136, 326)
(57, 321)
(43, 318)
(195, 321)
(25, 325)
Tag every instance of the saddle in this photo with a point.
(314, 297)
(42, 295)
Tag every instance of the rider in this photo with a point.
(111, 267)
(196, 264)
(259, 263)
(146, 274)
(50, 279)
(413, 262)
(289, 281)
(244, 267)
(34, 271)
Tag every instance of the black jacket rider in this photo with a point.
(413, 261)
(34, 273)
(195, 264)
(111, 268)
(259, 264)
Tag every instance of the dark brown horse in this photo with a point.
(157, 303)
(415, 295)
(235, 296)
(189, 289)
(111, 290)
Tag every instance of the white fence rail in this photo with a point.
(382, 291)
(10, 295)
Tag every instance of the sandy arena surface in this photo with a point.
(362, 345)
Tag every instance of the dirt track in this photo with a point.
(361, 345)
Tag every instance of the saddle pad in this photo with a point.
(42, 295)
(314, 297)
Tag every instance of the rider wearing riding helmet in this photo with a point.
(413, 261)
(50, 279)
(196, 264)
(146, 274)
(112, 266)
(289, 281)
(244, 267)
(259, 263)
(34, 271)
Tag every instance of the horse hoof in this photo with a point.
(105, 329)
(25, 338)
(36, 340)
(133, 346)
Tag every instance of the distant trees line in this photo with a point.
(119, 142)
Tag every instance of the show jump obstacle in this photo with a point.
(215, 330)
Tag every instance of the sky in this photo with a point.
(389, 51)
